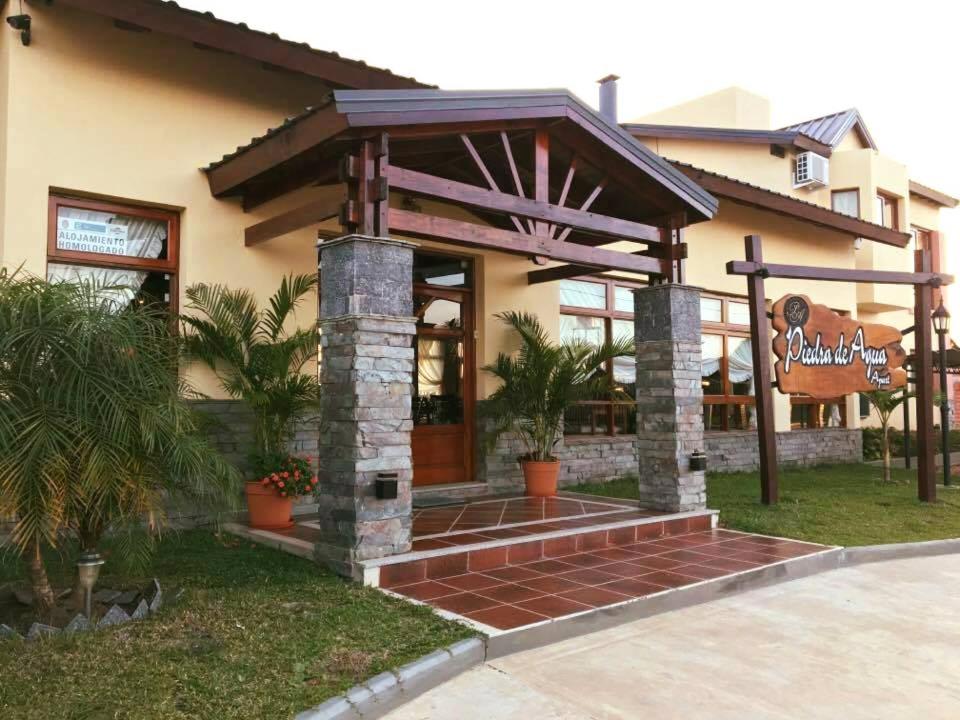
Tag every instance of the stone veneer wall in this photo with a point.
(736, 451)
(584, 459)
(229, 426)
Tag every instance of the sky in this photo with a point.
(897, 62)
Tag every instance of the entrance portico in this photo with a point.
(534, 176)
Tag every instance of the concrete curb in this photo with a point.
(899, 551)
(387, 691)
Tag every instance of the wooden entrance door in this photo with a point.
(443, 391)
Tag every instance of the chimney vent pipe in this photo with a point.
(608, 97)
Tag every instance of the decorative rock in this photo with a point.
(106, 596)
(39, 630)
(8, 633)
(23, 596)
(142, 611)
(154, 595)
(127, 597)
(115, 616)
(80, 623)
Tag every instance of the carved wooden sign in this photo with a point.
(823, 354)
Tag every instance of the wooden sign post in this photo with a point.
(823, 354)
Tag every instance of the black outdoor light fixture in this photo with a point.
(21, 23)
(386, 486)
(698, 461)
(941, 324)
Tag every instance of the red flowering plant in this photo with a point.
(289, 475)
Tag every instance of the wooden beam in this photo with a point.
(486, 175)
(800, 272)
(505, 139)
(757, 197)
(563, 272)
(291, 220)
(760, 350)
(228, 177)
(567, 182)
(923, 369)
(476, 197)
(484, 236)
(541, 173)
(231, 37)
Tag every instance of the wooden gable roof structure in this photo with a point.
(550, 177)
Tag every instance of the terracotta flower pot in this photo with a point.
(541, 477)
(266, 509)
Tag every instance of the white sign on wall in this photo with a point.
(91, 236)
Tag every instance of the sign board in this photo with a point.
(91, 236)
(823, 354)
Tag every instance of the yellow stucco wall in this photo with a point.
(731, 107)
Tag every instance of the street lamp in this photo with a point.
(941, 324)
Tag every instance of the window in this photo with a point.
(846, 202)
(920, 238)
(807, 412)
(886, 211)
(726, 365)
(123, 245)
(594, 311)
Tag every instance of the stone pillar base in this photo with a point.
(366, 373)
(669, 397)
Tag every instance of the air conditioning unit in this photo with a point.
(811, 170)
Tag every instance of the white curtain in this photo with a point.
(740, 368)
(430, 363)
(145, 239)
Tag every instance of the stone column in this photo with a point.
(669, 396)
(366, 373)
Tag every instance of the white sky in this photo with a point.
(897, 62)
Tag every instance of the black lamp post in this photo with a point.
(941, 324)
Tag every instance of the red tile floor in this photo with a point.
(496, 519)
(517, 594)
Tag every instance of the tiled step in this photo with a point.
(440, 562)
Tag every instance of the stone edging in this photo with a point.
(387, 691)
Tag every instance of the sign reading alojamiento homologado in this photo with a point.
(91, 236)
(823, 354)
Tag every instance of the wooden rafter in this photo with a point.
(541, 174)
(505, 139)
(565, 190)
(585, 206)
(467, 234)
(564, 272)
(487, 176)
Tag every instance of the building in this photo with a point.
(147, 143)
(724, 141)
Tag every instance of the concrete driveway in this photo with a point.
(873, 641)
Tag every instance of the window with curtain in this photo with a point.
(593, 311)
(727, 365)
(132, 249)
(846, 202)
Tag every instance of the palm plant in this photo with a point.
(95, 433)
(255, 358)
(885, 402)
(543, 380)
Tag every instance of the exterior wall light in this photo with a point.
(88, 570)
(21, 23)
(941, 323)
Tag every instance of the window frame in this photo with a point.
(608, 315)
(894, 202)
(838, 191)
(726, 329)
(169, 264)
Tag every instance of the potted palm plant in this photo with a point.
(262, 363)
(538, 384)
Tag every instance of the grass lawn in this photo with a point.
(834, 505)
(258, 634)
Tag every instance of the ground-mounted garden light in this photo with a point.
(941, 324)
(88, 570)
